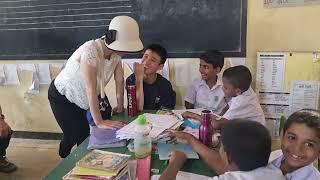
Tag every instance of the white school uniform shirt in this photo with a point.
(69, 81)
(308, 172)
(203, 97)
(245, 106)
(269, 172)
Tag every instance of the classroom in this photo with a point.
(265, 28)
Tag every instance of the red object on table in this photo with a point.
(143, 169)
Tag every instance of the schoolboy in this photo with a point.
(153, 91)
(243, 155)
(207, 92)
(300, 146)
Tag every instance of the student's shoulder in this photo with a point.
(162, 80)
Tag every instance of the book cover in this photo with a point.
(104, 160)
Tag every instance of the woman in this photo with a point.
(76, 88)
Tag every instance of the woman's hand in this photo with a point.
(109, 124)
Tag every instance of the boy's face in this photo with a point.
(207, 70)
(229, 90)
(300, 145)
(151, 62)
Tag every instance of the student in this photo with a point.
(5, 136)
(87, 71)
(207, 92)
(243, 154)
(244, 103)
(153, 91)
(300, 146)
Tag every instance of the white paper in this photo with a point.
(274, 98)
(35, 85)
(43, 73)
(270, 71)
(58, 66)
(184, 176)
(185, 73)
(237, 61)
(304, 94)
(11, 75)
(2, 75)
(275, 111)
(27, 67)
(164, 72)
(273, 126)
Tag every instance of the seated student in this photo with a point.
(243, 154)
(244, 103)
(207, 92)
(300, 146)
(5, 136)
(153, 91)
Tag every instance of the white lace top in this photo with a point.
(69, 81)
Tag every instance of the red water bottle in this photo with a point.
(206, 129)
(132, 98)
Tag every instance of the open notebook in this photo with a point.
(184, 176)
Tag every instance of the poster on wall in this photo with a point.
(288, 3)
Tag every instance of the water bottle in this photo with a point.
(132, 98)
(142, 140)
(206, 129)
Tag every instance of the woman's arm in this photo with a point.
(119, 80)
(139, 73)
(89, 76)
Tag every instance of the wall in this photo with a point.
(283, 29)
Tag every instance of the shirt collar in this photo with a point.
(218, 83)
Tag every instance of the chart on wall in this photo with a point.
(289, 3)
(287, 82)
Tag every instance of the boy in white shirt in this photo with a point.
(243, 154)
(300, 146)
(207, 92)
(244, 103)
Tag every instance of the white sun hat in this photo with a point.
(123, 35)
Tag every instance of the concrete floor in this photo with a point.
(34, 158)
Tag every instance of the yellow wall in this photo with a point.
(283, 29)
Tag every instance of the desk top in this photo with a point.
(194, 166)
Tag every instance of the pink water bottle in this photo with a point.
(132, 100)
(206, 129)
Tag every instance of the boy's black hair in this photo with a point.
(239, 76)
(309, 117)
(213, 57)
(247, 143)
(161, 51)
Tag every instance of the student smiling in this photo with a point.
(300, 146)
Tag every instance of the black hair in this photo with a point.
(247, 143)
(239, 76)
(161, 51)
(309, 117)
(213, 57)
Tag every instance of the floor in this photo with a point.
(34, 158)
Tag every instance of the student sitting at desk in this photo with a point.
(300, 146)
(244, 102)
(243, 154)
(153, 91)
(207, 92)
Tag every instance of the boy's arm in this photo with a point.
(211, 157)
(177, 160)
(188, 105)
(191, 115)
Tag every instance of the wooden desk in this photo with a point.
(194, 166)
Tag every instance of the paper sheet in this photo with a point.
(185, 176)
(59, 66)
(11, 75)
(236, 61)
(43, 73)
(185, 73)
(270, 71)
(275, 111)
(35, 85)
(274, 98)
(27, 67)
(304, 94)
(2, 75)
(165, 150)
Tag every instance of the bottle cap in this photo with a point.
(141, 120)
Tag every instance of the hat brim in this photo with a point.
(128, 46)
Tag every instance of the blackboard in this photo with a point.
(53, 29)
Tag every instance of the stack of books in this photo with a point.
(101, 165)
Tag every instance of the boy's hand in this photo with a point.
(191, 115)
(217, 124)
(178, 158)
(182, 136)
(138, 71)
